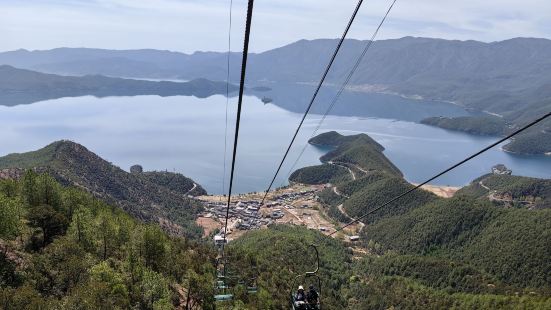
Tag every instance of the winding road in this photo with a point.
(191, 190)
(492, 196)
(349, 170)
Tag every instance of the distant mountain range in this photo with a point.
(509, 79)
(160, 197)
(485, 76)
(21, 86)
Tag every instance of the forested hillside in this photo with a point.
(470, 251)
(361, 178)
(352, 157)
(379, 280)
(533, 141)
(482, 125)
(145, 196)
(60, 248)
(511, 191)
(513, 245)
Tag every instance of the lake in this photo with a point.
(186, 135)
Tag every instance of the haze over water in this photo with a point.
(186, 134)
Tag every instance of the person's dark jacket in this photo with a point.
(312, 296)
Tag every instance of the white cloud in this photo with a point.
(189, 25)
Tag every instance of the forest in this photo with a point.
(62, 248)
(477, 125)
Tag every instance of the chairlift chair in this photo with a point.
(302, 279)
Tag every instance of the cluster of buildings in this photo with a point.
(246, 215)
(288, 197)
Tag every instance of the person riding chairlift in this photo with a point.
(300, 298)
(312, 297)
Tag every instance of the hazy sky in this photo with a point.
(190, 25)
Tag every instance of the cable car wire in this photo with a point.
(444, 172)
(239, 105)
(338, 47)
(343, 87)
(227, 98)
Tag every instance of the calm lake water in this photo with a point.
(186, 134)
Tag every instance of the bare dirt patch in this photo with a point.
(209, 224)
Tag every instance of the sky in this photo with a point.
(202, 25)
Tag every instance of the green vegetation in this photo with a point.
(335, 139)
(516, 188)
(277, 255)
(349, 188)
(404, 293)
(443, 253)
(63, 249)
(476, 125)
(435, 272)
(174, 182)
(357, 150)
(513, 245)
(72, 164)
(320, 174)
(359, 153)
(534, 142)
(377, 179)
(281, 253)
(379, 192)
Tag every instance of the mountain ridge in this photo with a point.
(23, 86)
(144, 196)
(490, 76)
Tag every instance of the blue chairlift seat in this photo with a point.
(223, 297)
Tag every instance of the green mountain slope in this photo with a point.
(277, 255)
(362, 178)
(512, 244)
(481, 125)
(144, 196)
(320, 174)
(511, 190)
(60, 248)
(379, 192)
(356, 154)
(63, 249)
(533, 141)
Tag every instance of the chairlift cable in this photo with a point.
(239, 105)
(342, 88)
(329, 65)
(227, 98)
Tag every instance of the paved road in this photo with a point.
(349, 170)
(492, 196)
(191, 190)
(343, 211)
(336, 191)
